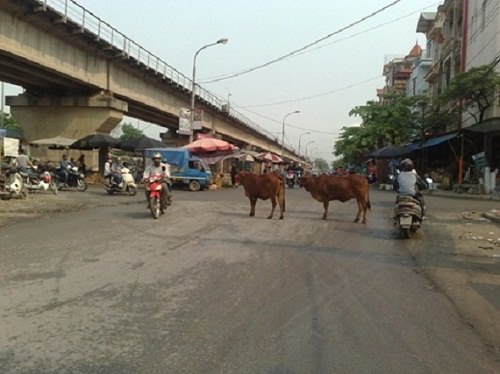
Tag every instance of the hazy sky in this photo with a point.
(324, 82)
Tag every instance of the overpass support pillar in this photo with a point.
(68, 116)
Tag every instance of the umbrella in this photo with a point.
(58, 141)
(210, 147)
(95, 141)
(140, 144)
(245, 157)
(269, 157)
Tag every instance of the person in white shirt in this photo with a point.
(163, 170)
(409, 183)
(22, 161)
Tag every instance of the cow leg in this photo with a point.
(325, 206)
(364, 204)
(360, 208)
(281, 202)
(273, 202)
(253, 201)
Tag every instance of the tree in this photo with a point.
(8, 122)
(321, 164)
(397, 123)
(130, 132)
(476, 90)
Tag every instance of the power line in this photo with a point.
(306, 46)
(314, 96)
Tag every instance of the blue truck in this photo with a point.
(185, 169)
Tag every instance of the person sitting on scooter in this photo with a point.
(409, 183)
(163, 169)
(64, 166)
(22, 162)
(116, 171)
(107, 170)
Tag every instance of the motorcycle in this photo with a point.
(372, 178)
(290, 178)
(75, 179)
(154, 186)
(127, 184)
(14, 185)
(407, 215)
(40, 182)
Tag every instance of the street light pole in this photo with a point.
(193, 85)
(312, 141)
(301, 137)
(283, 132)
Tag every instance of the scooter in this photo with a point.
(154, 186)
(14, 185)
(42, 182)
(407, 215)
(126, 185)
(290, 178)
(75, 179)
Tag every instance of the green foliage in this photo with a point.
(475, 89)
(9, 122)
(398, 123)
(321, 164)
(130, 132)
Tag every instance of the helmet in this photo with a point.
(156, 155)
(406, 165)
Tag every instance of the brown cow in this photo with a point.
(325, 188)
(264, 186)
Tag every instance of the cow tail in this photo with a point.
(368, 199)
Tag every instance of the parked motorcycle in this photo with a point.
(154, 186)
(126, 185)
(14, 185)
(407, 215)
(75, 179)
(40, 182)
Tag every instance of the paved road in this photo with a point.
(207, 289)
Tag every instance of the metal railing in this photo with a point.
(88, 22)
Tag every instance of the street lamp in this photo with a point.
(193, 84)
(312, 141)
(301, 137)
(283, 132)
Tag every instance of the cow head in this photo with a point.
(242, 175)
(306, 181)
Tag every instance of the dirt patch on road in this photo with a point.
(37, 204)
(465, 264)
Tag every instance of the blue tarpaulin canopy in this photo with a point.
(436, 141)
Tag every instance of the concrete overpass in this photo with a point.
(82, 76)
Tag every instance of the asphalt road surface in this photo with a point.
(208, 289)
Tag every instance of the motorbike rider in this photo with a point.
(107, 170)
(116, 171)
(163, 169)
(409, 183)
(22, 161)
(64, 166)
